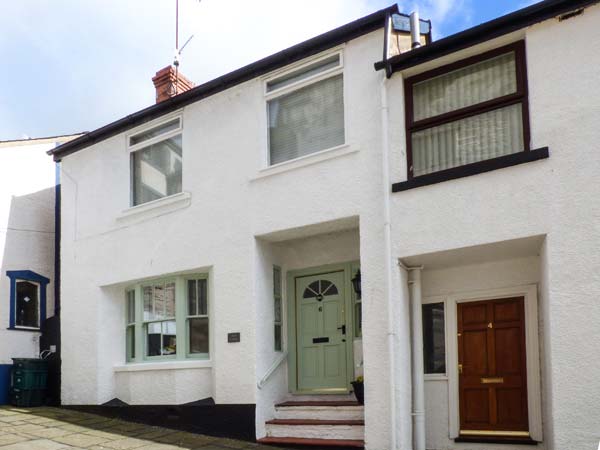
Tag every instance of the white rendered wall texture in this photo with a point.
(233, 202)
(27, 179)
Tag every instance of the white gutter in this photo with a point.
(385, 167)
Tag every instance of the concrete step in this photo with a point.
(316, 429)
(319, 410)
(312, 442)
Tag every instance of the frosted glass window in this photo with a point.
(307, 120)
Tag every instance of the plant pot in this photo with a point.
(359, 391)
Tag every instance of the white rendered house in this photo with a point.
(212, 244)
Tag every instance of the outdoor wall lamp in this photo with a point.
(356, 284)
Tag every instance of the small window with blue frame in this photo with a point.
(27, 299)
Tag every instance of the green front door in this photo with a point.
(321, 333)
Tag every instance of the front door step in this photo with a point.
(335, 423)
(312, 442)
(320, 410)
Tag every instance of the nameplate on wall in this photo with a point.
(233, 337)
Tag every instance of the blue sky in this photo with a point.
(72, 65)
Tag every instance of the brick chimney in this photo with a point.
(169, 83)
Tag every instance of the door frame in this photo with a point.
(348, 268)
(534, 396)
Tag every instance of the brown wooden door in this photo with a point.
(492, 367)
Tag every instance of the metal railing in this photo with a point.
(272, 369)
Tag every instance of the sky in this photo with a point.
(70, 66)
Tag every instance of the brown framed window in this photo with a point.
(470, 111)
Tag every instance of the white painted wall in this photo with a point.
(27, 179)
(232, 201)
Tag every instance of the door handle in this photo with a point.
(343, 328)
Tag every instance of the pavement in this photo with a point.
(47, 428)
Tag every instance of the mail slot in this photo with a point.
(320, 340)
(492, 380)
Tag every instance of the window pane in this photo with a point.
(130, 342)
(148, 309)
(358, 319)
(161, 338)
(202, 297)
(157, 170)
(434, 342)
(477, 138)
(153, 344)
(159, 302)
(277, 281)
(278, 344)
(307, 120)
(170, 300)
(27, 305)
(153, 132)
(192, 298)
(464, 87)
(169, 340)
(198, 335)
(278, 309)
(130, 306)
(304, 73)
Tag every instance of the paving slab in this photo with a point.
(48, 428)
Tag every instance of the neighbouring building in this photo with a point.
(420, 212)
(28, 180)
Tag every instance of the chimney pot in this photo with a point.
(169, 83)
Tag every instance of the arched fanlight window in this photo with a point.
(319, 289)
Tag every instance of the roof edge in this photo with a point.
(486, 31)
(290, 55)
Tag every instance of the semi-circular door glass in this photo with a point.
(320, 288)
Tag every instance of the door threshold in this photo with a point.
(495, 439)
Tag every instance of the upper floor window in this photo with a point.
(306, 110)
(467, 112)
(156, 162)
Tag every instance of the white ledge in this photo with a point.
(158, 207)
(306, 160)
(164, 365)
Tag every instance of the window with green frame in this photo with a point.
(278, 320)
(160, 314)
(130, 330)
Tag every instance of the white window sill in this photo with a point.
(436, 377)
(157, 207)
(303, 161)
(164, 365)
